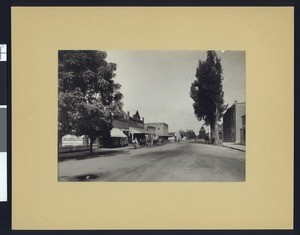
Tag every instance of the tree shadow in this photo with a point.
(88, 155)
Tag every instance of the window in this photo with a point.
(244, 120)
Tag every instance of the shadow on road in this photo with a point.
(202, 143)
(88, 155)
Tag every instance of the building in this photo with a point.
(131, 126)
(118, 138)
(243, 130)
(232, 122)
(172, 136)
(161, 129)
(125, 129)
(150, 129)
(137, 129)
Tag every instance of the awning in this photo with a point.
(165, 135)
(117, 133)
(134, 130)
(73, 136)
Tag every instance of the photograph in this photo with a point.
(134, 118)
(124, 117)
(151, 116)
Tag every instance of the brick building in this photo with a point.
(243, 130)
(161, 129)
(232, 122)
(132, 126)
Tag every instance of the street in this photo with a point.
(173, 162)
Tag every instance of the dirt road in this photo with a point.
(174, 162)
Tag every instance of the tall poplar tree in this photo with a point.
(207, 93)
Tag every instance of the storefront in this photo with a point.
(139, 134)
(119, 139)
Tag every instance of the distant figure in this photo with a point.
(134, 144)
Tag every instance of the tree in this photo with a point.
(202, 133)
(88, 96)
(207, 93)
(190, 134)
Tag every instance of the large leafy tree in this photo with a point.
(207, 93)
(88, 97)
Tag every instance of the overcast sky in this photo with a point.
(157, 83)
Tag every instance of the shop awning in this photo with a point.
(134, 130)
(73, 136)
(165, 135)
(115, 132)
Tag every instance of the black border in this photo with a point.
(5, 38)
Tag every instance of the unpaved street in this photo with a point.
(174, 162)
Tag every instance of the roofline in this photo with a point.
(239, 103)
(235, 103)
(155, 123)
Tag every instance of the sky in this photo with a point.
(157, 83)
